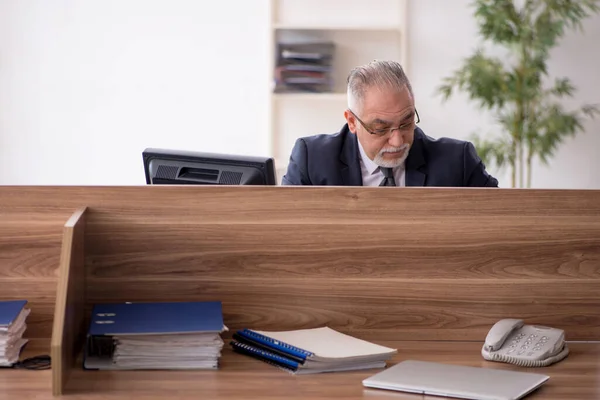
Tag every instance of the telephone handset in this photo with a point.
(512, 342)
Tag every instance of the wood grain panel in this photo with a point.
(30, 240)
(282, 204)
(387, 309)
(180, 239)
(29, 245)
(30, 261)
(68, 330)
(468, 249)
(425, 276)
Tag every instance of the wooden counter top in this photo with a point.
(241, 377)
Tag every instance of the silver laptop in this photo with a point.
(457, 381)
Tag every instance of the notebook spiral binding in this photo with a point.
(277, 343)
(265, 356)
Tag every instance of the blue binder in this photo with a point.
(9, 311)
(122, 319)
(156, 318)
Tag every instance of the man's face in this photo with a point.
(388, 122)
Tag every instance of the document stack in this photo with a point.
(310, 351)
(13, 315)
(177, 335)
(304, 67)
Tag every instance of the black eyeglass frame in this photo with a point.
(388, 130)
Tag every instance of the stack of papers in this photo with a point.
(310, 351)
(181, 351)
(178, 335)
(13, 315)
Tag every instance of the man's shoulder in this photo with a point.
(326, 141)
(441, 142)
(453, 162)
(327, 138)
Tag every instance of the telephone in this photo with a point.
(511, 341)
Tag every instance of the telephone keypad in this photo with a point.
(529, 343)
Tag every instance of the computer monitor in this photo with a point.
(177, 167)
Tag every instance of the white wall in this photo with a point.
(85, 85)
(443, 32)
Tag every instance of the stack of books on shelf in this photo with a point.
(13, 316)
(175, 335)
(304, 67)
(310, 351)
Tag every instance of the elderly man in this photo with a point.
(380, 144)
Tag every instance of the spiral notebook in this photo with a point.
(312, 350)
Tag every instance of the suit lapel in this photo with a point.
(350, 171)
(416, 167)
(415, 177)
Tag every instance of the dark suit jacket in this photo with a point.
(335, 160)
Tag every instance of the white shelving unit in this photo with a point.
(362, 30)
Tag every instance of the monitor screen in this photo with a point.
(177, 167)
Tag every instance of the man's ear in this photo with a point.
(351, 120)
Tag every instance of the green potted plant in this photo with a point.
(516, 87)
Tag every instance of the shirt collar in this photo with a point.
(367, 162)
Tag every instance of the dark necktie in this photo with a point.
(388, 177)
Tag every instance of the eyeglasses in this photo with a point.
(384, 132)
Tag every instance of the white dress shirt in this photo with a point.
(371, 173)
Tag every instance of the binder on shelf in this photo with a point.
(309, 351)
(171, 335)
(13, 316)
(304, 67)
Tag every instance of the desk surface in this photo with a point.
(577, 377)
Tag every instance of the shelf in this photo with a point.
(311, 96)
(367, 30)
(372, 28)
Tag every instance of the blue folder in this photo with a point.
(156, 318)
(9, 311)
(122, 319)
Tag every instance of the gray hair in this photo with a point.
(379, 74)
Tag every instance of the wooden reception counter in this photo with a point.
(428, 271)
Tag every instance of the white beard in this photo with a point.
(382, 162)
